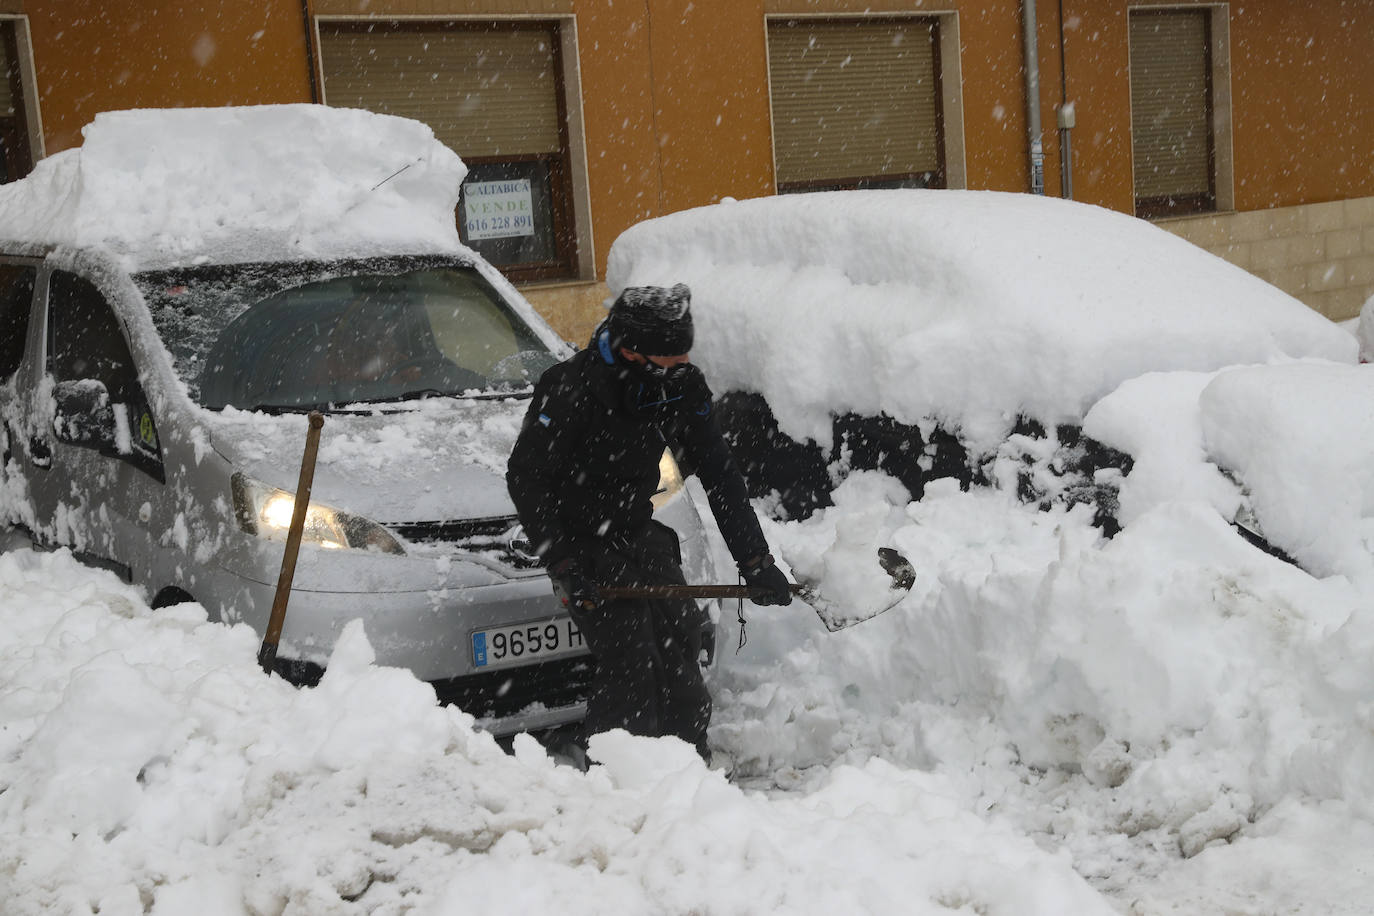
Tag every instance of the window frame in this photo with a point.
(21, 134)
(569, 237)
(942, 28)
(1215, 198)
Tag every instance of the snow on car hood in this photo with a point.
(150, 187)
(438, 459)
(964, 306)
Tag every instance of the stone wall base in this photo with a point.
(1322, 254)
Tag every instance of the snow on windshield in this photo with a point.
(965, 306)
(179, 186)
(294, 335)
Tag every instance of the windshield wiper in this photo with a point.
(420, 394)
(417, 394)
(289, 408)
(323, 407)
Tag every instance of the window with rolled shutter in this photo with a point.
(492, 92)
(16, 153)
(1171, 112)
(856, 103)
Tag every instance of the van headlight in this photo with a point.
(266, 512)
(669, 480)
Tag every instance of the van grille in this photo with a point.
(499, 537)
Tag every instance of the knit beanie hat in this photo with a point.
(653, 320)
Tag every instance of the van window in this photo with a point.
(297, 336)
(85, 340)
(16, 298)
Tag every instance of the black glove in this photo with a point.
(769, 584)
(572, 585)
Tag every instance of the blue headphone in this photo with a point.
(603, 343)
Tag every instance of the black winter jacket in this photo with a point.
(584, 468)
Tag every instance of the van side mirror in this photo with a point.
(84, 414)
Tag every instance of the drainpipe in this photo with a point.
(1066, 123)
(310, 61)
(1066, 118)
(1037, 148)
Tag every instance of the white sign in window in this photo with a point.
(497, 209)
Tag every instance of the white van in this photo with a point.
(153, 406)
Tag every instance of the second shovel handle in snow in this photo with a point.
(267, 654)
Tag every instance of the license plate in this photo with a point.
(523, 643)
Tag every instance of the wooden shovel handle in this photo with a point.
(267, 654)
(685, 591)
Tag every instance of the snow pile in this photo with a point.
(147, 765)
(963, 306)
(1156, 419)
(1049, 723)
(1290, 443)
(188, 185)
(1169, 697)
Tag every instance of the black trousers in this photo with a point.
(648, 677)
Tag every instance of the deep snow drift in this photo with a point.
(1169, 722)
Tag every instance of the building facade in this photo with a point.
(1246, 127)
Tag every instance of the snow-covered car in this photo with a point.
(934, 334)
(177, 294)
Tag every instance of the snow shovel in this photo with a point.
(834, 615)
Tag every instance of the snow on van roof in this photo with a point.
(159, 187)
(963, 306)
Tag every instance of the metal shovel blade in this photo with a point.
(836, 615)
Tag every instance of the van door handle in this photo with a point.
(40, 453)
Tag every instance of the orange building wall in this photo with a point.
(1097, 65)
(675, 100)
(687, 121)
(710, 78)
(623, 168)
(711, 101)
(994, 86)
(1304, 101)
(93, 57)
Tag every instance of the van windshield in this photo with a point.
(321, 335)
